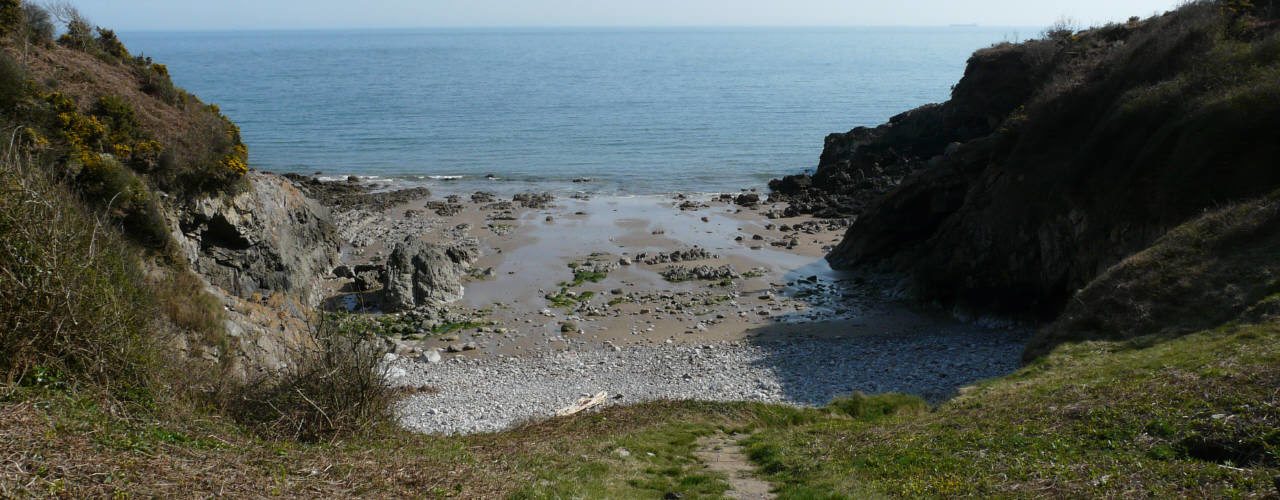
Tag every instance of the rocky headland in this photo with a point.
(1053, 160)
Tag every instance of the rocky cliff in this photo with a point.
(262, 253)
(1057, 158)
(233, 257)
(271, 238)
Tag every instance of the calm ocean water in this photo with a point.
(639, 110)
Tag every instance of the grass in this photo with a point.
(73, 446)
(1192, 416)
(1196, 416)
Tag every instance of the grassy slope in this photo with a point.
(1197, 415)
(1096, 419)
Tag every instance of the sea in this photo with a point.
(628, 111)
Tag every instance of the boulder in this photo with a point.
(747, 200)
(369, 276)
(425, 274)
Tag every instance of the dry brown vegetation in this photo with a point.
(72, 299)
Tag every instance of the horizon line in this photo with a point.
(571, 26)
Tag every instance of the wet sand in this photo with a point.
(530, 257)
(784, 328)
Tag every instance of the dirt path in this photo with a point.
(722, 454)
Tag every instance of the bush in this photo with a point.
(13, 84)
(336, 390)
(79, 35)
(110, 44)
(155, 81)
(10, 16)
(72, 304)
(184, 301)
(40, 29)
(871, 408)
(106, 183)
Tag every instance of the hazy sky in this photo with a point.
(303, 14)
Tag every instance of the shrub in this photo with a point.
(184, 301)
(110, 44)
(1061, 30)
(10, 16)
(155, 81)
(106, 183)
(79, 35)
(40, 29)
(72, 304)
(335, 390)
(119, 118)
(871, 408)
(13, 84)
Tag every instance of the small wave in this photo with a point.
(446, 177)
(362, 178)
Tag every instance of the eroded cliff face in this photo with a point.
(1055, 159)
(262, 253)
(269, 239)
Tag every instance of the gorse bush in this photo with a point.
(73, 304)
(335, 390)
(207, 156)
(155, 81)
(98, 146)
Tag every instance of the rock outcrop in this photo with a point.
(1057, 158)
(268, 239)
(426, 274)
(859, 166)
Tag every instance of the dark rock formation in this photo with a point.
(534, 200)
(747, 200)
(1055, 159)
(369, 276)
(678, 274)
(858, 167)
(353, 194)
(424, 274)
(270, 238)
(695, 253)
(1224, 268)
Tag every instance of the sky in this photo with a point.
(177, 15)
